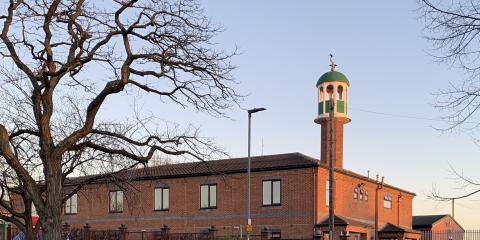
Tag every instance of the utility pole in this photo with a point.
(331, 189)
(398, 208)
(453, 208)
(379, 186)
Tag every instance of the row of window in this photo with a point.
(330, 91)
(208, 198)
(271, 196)
(360, 194)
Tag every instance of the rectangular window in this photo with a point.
(208, 196)
(387, 201)
(116, 201)
(271, 192)
(71, 205)
(162, 199)
(327, 193)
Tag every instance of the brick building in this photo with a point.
(438, 227)
(289, 191)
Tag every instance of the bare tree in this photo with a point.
(453, 27)
(63, 60)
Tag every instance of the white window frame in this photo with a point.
(71, 205)
(116, 207)
(387, 201)
(211, 201)
(159, 195)
(274, 192)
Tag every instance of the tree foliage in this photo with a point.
(63, 60)
(453, 28)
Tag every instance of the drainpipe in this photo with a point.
(379, 186)
(398, 208)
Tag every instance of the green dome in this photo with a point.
(332, 76)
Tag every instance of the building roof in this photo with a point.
(232, 165)
(345, 221)
(365, 178)
(427, 221)
(391, 228)
(224, 166)
(333, 76)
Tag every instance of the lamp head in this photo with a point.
(254, 110)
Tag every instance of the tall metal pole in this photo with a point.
(398, 208)
(249, 220)
(331, 189)
(379, 186)
(453, 208)
(376, 211)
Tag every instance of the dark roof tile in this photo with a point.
(426, 221)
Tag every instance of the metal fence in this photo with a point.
(451, 235)
(210, 234)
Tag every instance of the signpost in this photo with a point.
(249, 228)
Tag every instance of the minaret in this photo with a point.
(332, 85)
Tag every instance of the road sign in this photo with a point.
(249, 228)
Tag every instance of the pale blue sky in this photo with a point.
(379, 46)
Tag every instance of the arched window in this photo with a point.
(340, 92)
(321, 94)
(355, 193)
(330, 91)
(361, 194)
(366, 196)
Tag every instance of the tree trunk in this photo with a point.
(52, 225)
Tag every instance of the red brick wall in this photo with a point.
(295, 216)
(447, 224)
(302, 204)
(444, 229)
(347, 206)
(338, 141)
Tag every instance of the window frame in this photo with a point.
(209, 185)
(272, 192)
(387, 198)
(355, 193)
(162, 208)
(116, 201)
(68, 210)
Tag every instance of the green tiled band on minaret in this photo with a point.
(340, 106)
(333, 76)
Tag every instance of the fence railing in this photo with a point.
(473, 234)
(163, 233)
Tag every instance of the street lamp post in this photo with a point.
(249, 219)
(379, 186)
